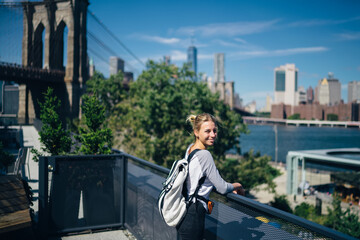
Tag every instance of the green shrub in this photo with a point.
(95, 138)
(295, 116)
(332, 117)
(281, 202)
(54, 138)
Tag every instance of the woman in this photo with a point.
(202, 165)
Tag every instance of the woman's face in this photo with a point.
(207, 133)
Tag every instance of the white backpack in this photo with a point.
(171, 202)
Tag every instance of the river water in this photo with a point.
(291, 138)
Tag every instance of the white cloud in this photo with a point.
(240, 40)
(321, 22)
(228, 29)
(349, 36)
(292, 51)
(161, 39)
(225, 43)
(344, 87)
(279, 52)
(177, 55)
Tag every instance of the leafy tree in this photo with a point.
(304, 210)
(93, 139)
(109, 91)
(281, 202)
(343, 221)
(295, 116)
(152, 123)
(309, 212)
(252, 170)
(55, 139)
(332, 117)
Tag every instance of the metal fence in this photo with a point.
(129, 200)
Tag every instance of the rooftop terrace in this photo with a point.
(125, 206)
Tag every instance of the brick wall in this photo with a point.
(317, 111)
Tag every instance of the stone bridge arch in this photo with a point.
(53, 17)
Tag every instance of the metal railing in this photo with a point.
(234, 217)
(135, 187)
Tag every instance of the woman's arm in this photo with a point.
(208, 165)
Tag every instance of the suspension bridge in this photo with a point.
(49, 44)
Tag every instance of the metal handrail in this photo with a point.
(260, 207)
(144, 162)
(315, 227)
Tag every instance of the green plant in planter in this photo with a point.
(98, 178)
(55, 139)
(93, 138)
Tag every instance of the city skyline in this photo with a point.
(317, 36)
(256, 37)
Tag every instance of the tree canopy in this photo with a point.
(151, 121)
(251, 170)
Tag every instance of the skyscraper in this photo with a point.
(286, 84)
(301, 95)
(192, 59)
(329, 91)
(219, 71)
(353, 91)
(310, 95)
(324, 92)
(335, 90)
(116, 64)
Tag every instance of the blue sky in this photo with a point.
(255, 36)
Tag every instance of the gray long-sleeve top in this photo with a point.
(202, 164)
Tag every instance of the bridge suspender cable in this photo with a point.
(98, 55)
(116, 39)
(108, 49)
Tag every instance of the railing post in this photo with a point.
(303, 175)
(43, 197)
(123, 189)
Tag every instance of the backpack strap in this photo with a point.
(201, 180)
(192, 154)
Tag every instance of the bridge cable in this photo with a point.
(98, 55)
(116, 38)
(108, 49)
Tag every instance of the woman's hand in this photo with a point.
(238, 189)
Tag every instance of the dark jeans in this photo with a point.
(192, 226)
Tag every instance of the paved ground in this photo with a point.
(31, 139)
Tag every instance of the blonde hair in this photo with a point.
(197, 121)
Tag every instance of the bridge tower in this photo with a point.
(53, 17)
